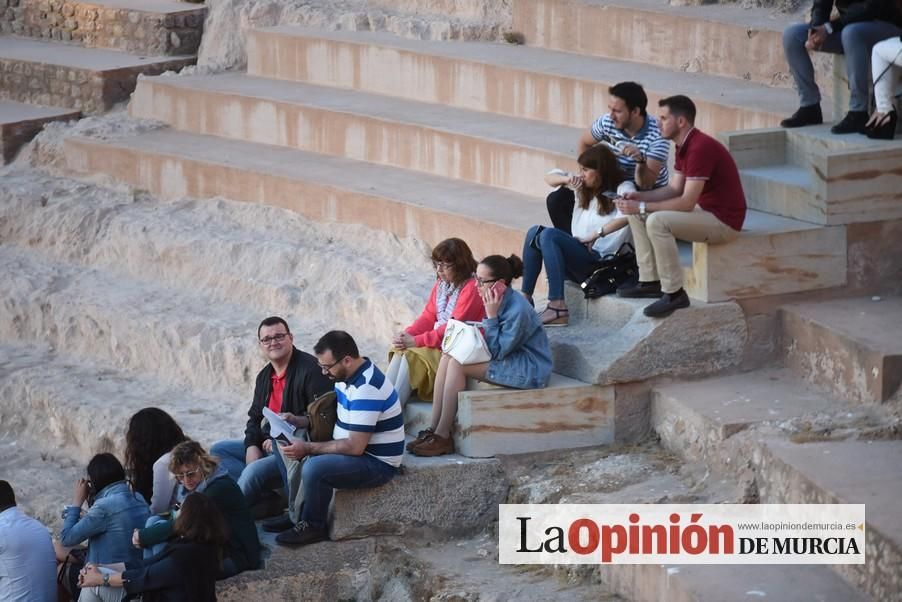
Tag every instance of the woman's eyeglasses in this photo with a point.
(482, 282)
(181, 476)
(443, 265)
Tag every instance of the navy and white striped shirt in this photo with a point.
(648, 140)
(368, 403)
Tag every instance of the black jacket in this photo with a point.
(182, 572)
(853, 11)
(304, 382)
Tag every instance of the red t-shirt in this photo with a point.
(701, 157)
(278, 388)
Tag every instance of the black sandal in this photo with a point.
(561, 317)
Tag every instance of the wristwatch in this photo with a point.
(600, 232)
(642, 211)
(106, 579)
(828, 27)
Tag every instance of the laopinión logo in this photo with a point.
(682, 533)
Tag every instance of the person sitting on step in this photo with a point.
(859, 25)
(516, 340)
(886, 64)
(636, 139)
(151, 435)
(368, 438)
(416, 350)
(596, 229)
(27, 560)
(288, 383)
(200, 472)
(703, 202)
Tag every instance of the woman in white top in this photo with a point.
(596, 229)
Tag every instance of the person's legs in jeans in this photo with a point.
(259, 476)
(231, 456)
(321, 475)
(532, 263)
(563, 255)
(858, 40)
(560, 204)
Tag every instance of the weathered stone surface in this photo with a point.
(446, 494)
(848, 345)
(19, 123)
(609, 340)
(322, 571)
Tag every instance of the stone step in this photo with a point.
(173, 164)
(846, 472)
(735, 42)
(733, 583)
(149, 27)
(516, 81)
(20, 122)
(493, 420)
(611, 341)
(698, 419)
(457, 143)
(773, 256)
(759, 423)
(268, 260)
(91, 80)
(58, 400)
(815, 176)
(451, 495)
(846, 345)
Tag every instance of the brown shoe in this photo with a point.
(435, 445)
(421, 436)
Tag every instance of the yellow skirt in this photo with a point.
(422, 363)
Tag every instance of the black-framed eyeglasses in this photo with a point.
(327, 367)
(442, 264)
(482, 282)
(278, 337)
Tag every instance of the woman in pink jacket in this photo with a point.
(417, 350)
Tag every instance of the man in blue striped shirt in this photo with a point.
(368, 440)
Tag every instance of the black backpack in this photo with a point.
(614, 270)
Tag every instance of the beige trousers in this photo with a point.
(295, 491)
(656, 247)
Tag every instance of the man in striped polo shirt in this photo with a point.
(368, 440)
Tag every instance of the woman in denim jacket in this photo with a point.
(113, 514)
(521, 356)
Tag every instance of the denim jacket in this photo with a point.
(107, 525)
(521, 356)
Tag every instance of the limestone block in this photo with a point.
(612, 341)
(444, 494)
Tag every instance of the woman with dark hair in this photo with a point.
(186, 569)
(151, 434)
(198, 471)
(521, 357)
(416, 350)
(596, 229)
(114, 512)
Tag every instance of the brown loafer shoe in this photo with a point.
(421, 436)
(435, 445)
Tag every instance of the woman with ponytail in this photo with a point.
(521, 357)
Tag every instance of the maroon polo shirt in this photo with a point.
(701, 157)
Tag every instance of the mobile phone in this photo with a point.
(610, 195)
(499, 287)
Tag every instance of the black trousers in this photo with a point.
(560, 205)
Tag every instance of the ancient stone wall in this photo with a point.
(98, 26)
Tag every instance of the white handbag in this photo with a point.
(464, 342)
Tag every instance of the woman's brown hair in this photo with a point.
(458, 254)
(601, 159)
(191, 452)
(200, 521)
(504, 268)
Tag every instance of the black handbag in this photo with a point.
(613, 271)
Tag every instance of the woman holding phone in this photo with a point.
(596, 229)
(521, 356)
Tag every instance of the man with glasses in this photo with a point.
(368, 440)
(286, 385)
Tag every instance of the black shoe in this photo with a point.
(887, 131)
(277, 524)
(271, 504)
(640, 290)
(301, 534)
(810, 115)
(667, 304)
(852, 123)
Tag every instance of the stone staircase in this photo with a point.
(73, 57)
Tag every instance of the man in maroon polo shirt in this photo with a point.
(703, 202)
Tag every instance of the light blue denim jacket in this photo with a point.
(108, 525)
(521, 356)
